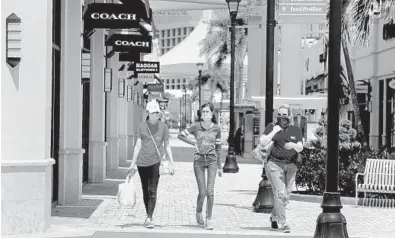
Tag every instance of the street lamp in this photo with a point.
(200, 68)
(264, 201)
(331, 223)
(230, 162)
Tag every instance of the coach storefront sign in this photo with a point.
(110, 16)
(130, 43)
(146, 67)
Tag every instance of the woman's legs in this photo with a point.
(153, 188)
(144, 177)
(201, 182)
(276, 176)
(211, 175)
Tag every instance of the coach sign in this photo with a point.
(146, 67)
(110, 16)
(130, 43)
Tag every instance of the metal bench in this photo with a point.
(379, 177)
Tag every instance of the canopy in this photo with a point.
(174, 5)
(299, 102)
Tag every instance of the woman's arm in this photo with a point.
(218, 146)
(168, 150)
(268, 134)
(184, 135)
(136, 152)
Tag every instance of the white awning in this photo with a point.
(174, 5)
(299, 102)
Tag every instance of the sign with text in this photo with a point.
(128, 43)
(206, 95)
(110, 16)
(145, 78)
(308, 11)
(146, 67)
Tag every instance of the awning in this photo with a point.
(299, 102)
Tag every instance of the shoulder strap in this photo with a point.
(156, 147)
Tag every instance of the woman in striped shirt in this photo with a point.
(206, 156)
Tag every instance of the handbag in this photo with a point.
(262, 152)
(164, 167)
(127, 193)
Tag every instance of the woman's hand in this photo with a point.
(131, 171)
(289, 145)
(171, 168)
(220, 172)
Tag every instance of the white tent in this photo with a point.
(182, 59)
(174, 5)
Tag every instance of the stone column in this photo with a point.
(131, 121)
(123, 118)
(70, 141)
(112, 115)
(374, 115)
(291, 35)
(97, 145)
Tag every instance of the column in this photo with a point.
(70, 141)
(291, 35)
(374, 114)
(123, 118)
(112, 115)
(131, 132)
(97, 145)
(256, 57)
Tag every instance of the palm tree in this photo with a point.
(356, 23)
(216, 45)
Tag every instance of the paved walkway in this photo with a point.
(175, 211)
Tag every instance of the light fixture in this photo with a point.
(107, 80)
(199, 66)
(121, 88)
(13, 40)
(85, 65)
(129, 93)
(233, 6)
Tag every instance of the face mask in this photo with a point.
(283, 121)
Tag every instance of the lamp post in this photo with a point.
(264, 201)
(230, 165)
(331, 223)
(200, 68)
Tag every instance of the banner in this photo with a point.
(110, 16)
(130, 43)
(146, 67)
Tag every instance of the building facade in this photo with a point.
(61, 129)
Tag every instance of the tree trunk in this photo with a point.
(353, 93)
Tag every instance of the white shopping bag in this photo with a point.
(127, 193)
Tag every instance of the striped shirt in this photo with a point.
(208, 141)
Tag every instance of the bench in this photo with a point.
(379, 177)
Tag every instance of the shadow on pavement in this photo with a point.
(234, 206)
(244, 191)
(129, 225)
(83, 210)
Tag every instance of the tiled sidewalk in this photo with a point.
(175, 210)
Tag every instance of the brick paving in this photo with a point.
(175, 210)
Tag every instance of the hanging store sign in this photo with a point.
(129, 57)
(146, 67)
(155, 87)
(130, 43)
(110, 16)
(303, 11)
(145, 78)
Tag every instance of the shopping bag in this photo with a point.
(164, 168)
(262, 152)
(127, 193)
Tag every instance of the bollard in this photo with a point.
(264, 201)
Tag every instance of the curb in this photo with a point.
(318, 199)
